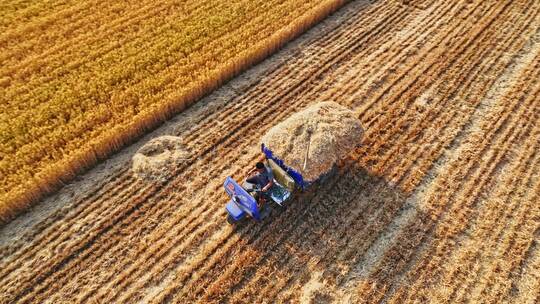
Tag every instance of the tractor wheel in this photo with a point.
(230, 220)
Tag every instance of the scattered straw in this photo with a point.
(156, 160)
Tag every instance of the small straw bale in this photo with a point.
(157, 159)
(313, 140)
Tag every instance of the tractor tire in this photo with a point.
(230, 220)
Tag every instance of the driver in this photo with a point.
(262, 177)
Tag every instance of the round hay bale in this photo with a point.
(157, 159)
(313, 140)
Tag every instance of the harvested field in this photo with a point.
(439, 204)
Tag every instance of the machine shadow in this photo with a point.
(334, 233)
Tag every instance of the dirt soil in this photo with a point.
(438, 204)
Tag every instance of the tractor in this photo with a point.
(323, 134)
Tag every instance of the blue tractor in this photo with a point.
(327, 130)
(243, 198)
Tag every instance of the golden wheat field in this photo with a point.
(439, 204)
(79, 80)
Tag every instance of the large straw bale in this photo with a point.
(157, 159)
(313, 140)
